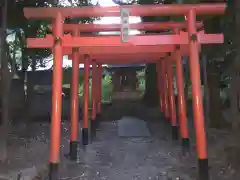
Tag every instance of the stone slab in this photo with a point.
(132, 127)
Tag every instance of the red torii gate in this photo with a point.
(192, 38)
(119, 58)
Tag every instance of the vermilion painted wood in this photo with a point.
(127, 61)
(124, 58)
(116, 27)
(152, 40)
(159, 86)
(94, 90)
(135, 10)
(74, 99)
(196, 90)
(171, 97)
(138, 40)
(85, 123)
(124, 50)
(56, 96)
(177, 56)
(99, 88)
(165, 87)
(113, 51)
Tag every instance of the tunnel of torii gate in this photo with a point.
(185, 39)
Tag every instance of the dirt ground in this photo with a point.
(110, 157)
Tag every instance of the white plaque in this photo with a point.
(125, 13)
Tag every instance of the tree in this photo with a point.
(4, 81)
(36, 28)
(23, 28)
(215, 64)
(218, 60)
(234, 9)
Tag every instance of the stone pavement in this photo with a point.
(111, 157)
(132, 127)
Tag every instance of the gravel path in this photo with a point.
(110, 157)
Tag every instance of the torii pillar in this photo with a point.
(94, 97)
(99, 92)
(171, 100)
(85, 128)
(182, 114)
(74, 103)
(56, 100)
(197, 97)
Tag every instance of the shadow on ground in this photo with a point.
(111, 157)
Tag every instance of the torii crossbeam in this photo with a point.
(59, 42)
(142, 10)
(147, 26)
(138, 40)
(124, 58)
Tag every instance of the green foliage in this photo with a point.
(14, 49)
(141, 80)
(107, 86)
(36, 28)
(67, 76)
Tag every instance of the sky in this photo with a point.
(103, 20)
(112, 20)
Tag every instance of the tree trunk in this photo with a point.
(5, 83)
(234, 99)
(213, 25)
(13, 60)
(24, 72)
(234, 7)
(215, 113)
(30, 85)
(151, 94)
(206, 87)
(187, 80)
